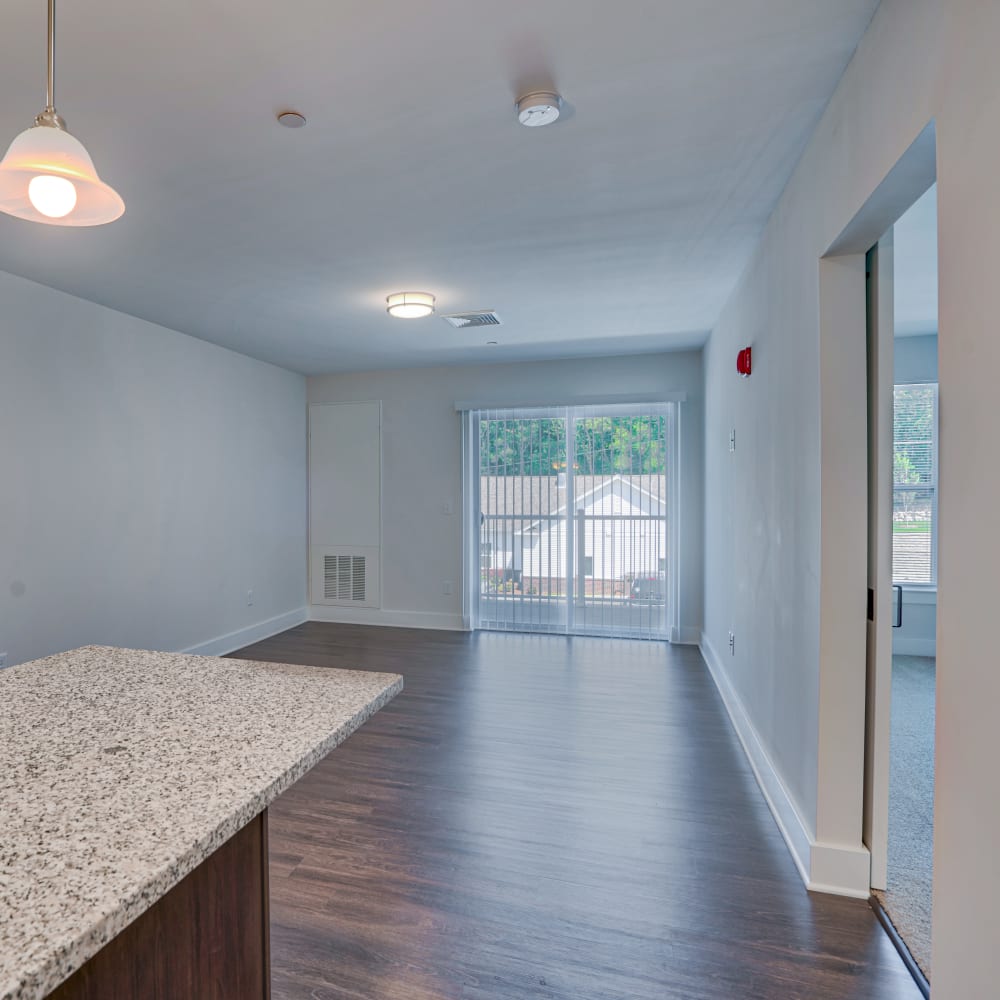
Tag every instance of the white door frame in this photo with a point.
(879, 627)
(839, 859)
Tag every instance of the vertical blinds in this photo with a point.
(914, 501)
(522, 533)
(571, 527)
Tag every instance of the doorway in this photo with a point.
(570, 520)
(856, 536)
(906, 896)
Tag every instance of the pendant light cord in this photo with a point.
(50, 79)
(50, 117)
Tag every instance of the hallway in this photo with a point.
(546, 817)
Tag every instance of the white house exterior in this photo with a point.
(617, 522)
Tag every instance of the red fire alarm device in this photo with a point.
(743, 362)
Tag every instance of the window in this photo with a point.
(914, 484)
(574, 501)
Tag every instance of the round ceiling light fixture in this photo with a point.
(539, 108)
(409, 305)
(291, 119)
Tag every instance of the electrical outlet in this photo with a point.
(249, 598)
(732, 644)
(448, 507)
(3, 660)
(446, 588)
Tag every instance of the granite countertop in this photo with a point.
(122, 770)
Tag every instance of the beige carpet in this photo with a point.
(907, 900)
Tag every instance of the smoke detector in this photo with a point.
(539, 108)
(291, 119)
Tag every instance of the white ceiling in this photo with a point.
(915, 269)
(621, 228)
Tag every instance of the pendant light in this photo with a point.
(47, 175)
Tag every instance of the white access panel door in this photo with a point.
(345, 503)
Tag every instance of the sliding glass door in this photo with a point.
(523, 541)
(570, 521)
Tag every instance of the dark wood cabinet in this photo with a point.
(206, 939)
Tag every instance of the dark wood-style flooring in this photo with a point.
(545, 817)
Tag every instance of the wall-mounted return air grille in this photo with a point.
(464, 321)
(344, 578)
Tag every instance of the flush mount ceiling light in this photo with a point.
(47, 175)
(539, 108)
(409, 305)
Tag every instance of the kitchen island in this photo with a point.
(133, 827)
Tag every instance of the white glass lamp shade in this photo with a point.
(409, 305)
(57, 157)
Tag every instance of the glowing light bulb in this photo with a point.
(54, 197)
(410, 305)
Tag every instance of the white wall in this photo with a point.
(920, 60)
(149, 480)
(422, 465)
(915, 360)
(917, 636)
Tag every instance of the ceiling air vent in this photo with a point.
(464, 321)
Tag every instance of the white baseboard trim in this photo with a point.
(841, 870)
(223, 644)
(914, 647)
(793, 828)
(685, 636)
(392, 619)
(830, 868)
